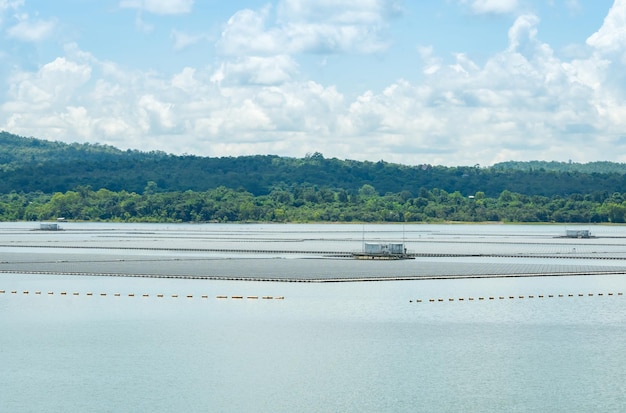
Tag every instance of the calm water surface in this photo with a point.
(331, 347)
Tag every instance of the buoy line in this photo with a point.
(144, 295)
(513, 297)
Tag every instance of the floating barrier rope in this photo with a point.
(513, 297)
(146, 295)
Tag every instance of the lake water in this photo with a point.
(71, 343)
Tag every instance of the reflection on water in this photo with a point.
(173, 345)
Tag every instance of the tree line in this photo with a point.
(33, 165)
(308, 204)
(43, 180)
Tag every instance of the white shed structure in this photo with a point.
(577, 233)
(387, 248)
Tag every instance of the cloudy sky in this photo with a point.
(445, 82)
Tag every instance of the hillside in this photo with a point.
(34, 165)
(598, 167)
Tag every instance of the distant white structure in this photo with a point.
(383, 248)
(577, 233)
(49, 227)
(383, 251)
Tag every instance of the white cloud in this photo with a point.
(342, 12)
(246, 33)
(493, 6)
(9, 5)
(309, 27)
(524, 30)
(55, 83)
(257, 70)
(525, 102)
(182, 40)
(154, 114)
(142, 25)
(431, 63)
(573, 6)
(185, 80)
(612, 35)
(329, 38)
(159, 6)
(31, 30)
(259, 47)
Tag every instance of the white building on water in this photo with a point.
(383, 251)
(384, 248)
(578, 233)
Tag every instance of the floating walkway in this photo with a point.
(384, 257)
(326, 253)
(325, 279)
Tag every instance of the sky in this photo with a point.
(440, 82)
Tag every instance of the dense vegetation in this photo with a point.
(30, 165)
(307, 203)
(43, 180)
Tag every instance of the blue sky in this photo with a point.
(442, 82)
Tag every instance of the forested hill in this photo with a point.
(601, 167)
(32, 165)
